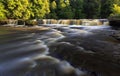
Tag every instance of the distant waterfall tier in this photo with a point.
(74, 21)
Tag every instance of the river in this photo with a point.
(61, 51)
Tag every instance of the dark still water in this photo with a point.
(61, 51)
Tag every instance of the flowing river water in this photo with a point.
(61, 51)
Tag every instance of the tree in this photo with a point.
(92, 8)
(64, 9)
(53, 7)
(116, 2)
(40, 8)
(106, 8)
(57, 9)
(17, 9)
(77, 8)
(2, 11)
(26, 13)
(116, 9)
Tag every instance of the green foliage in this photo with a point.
(26, 9)
(116, 11)
(65, 13)
(106, 6)
(2, 12)
(77, 8)
(64, 10)
(92, 8)
(40, 8)
(18, 9)
(57, 9)
(53, 5)
(116, 2)
(52, 14)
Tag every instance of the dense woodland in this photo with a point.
(58, 9)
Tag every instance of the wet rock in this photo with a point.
(116, 35)
(114, 22)
(68, 48)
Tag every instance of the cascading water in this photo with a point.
(73, 50)
(74, 21)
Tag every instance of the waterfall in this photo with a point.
(86, 22)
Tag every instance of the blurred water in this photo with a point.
(61, 51)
